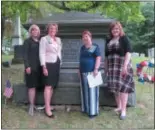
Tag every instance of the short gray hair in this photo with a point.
(34, 26)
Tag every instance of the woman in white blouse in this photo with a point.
(50, 58)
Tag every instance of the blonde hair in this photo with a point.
(34, 26)
(52, 24)
(117, 23)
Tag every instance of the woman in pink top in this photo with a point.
(50, 58)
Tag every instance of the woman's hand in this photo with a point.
(95, 72)
(28, 70)
(45, 71)
(124, 71)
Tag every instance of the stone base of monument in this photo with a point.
(64, 95)
(17, 61)
(18, 55)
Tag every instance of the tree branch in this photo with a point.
(59, 6)
(94, 5)
(64, 7)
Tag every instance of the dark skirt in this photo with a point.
(53, 74)
(34, 79)
(116, 82)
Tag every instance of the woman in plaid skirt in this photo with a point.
(118, 67)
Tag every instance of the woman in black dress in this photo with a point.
(32, 64)
(50, 58)
(119, 67)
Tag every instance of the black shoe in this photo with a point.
(92, 116)
(50, 116)
(53, 109)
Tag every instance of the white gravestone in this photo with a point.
(151, 52)
(134, 54)
(142, 55)
(16, 38)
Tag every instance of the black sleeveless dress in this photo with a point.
(31, 59)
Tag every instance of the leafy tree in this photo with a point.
(128, 13)
(9, 9)
(27, 9)
(123, 11)
(142, 34)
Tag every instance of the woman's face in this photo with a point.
(86, 39)
(52, 30)
(35, 32)
(115, 31)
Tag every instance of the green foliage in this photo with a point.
(123, 11)
(142, 34)
(136, 17)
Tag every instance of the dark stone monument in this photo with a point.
(18, 54)
(17, 41)
(71, 26)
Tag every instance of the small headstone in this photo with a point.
(151, 52)
(134, 54)
(6, 64)
(18, 54)
(142, 55)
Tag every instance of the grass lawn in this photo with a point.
(7, 57)
(141, 116)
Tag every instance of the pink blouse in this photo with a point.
(49, 50)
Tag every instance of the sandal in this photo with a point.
(31, 110)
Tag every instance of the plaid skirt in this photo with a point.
(117, 82)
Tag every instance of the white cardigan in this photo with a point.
(49, 50)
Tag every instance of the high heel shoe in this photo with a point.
(52, 109)
(50, 116)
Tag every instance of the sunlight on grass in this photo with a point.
(7, 57)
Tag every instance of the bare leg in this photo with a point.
(124, 99)
(118, 102)
(31, 93)
(52, 108)
(47, 97)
